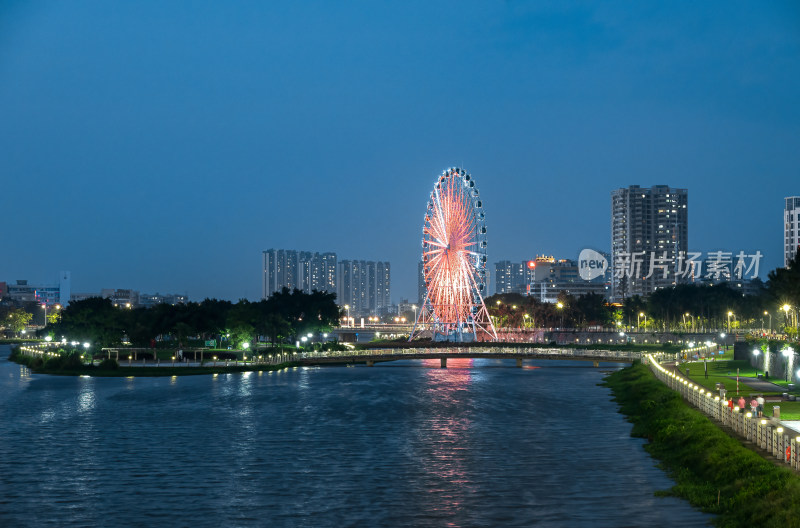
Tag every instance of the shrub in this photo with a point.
(108, 364)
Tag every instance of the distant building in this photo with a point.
(509, 277)
(123, 298)
(50, 294)
(791, 228)
(649, 229)
(280, 270)
(547, 277)
(364, 286)
(304, 270)
(148, 300)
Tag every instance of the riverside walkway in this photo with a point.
(780, 439)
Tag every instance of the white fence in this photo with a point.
(768, 433)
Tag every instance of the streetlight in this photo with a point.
(729, 321)
(414, 307)
(756, 352)
(560, 307)
(347, 307)
(638, 326)
(44, 305)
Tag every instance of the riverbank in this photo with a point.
(712, 470)
(72, 366)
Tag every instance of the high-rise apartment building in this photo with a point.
(649, 232)
(304, 270)
(317, 271)
(364, 286)
(509, 277)
(791, 228)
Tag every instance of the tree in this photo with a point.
(17, 320)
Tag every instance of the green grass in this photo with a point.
(703, 460)
(721, 372)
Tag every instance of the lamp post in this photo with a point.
(729, 321)
(756, 352)
(560, 307)
(347, 307)
(44, 305)
(638, 326)
(414, 307)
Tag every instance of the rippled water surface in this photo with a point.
(481, 443)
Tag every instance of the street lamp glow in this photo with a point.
(559, 305)
(246, 345)
(86, 345)
(48, 338)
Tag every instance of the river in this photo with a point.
(481, 443)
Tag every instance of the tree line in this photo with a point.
(685, 307)
(283, 317)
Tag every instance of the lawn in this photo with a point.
(722, 371)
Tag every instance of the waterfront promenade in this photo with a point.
(778, 438)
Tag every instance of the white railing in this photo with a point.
(768, 433)
(569, 353)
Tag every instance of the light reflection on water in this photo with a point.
(480, 443)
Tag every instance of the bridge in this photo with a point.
(370, 357)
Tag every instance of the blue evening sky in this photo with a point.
(161, 146)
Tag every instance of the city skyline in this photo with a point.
(165, 154)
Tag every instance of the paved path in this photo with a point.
(760, 385)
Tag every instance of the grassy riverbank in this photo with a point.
(707, 464)
(73, 366)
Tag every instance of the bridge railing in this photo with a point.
(475, 353)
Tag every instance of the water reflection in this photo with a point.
(396, 445)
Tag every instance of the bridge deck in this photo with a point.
(379, 355)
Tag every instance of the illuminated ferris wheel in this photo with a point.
(454, 262)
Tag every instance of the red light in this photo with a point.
(531, 264)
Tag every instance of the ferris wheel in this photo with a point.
(454, 262)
